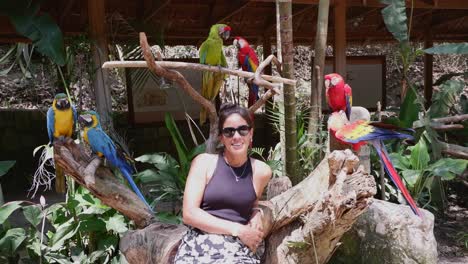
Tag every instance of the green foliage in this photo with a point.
(419, 170)
(409, 109)
(167, 179)
(82, 230)
(5, 166)
(395, 19)
(446, 98)
(37, 26)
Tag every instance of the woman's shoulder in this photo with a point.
(261, 168)
(205, 157)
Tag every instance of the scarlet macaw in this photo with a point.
(338, 94)
(211, 53)
(360, 132)
(61, 120)
(102, 145)
(249, 62)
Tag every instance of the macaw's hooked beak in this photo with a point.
(85, 119)
(62, 103)
(225, 35)
(327, 83)
(235, 43)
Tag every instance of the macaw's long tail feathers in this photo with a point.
(394, 176)
(126, 173)
(60, 185)
(253, 94)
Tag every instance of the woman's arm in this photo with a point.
(261, 176)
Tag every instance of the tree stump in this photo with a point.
(304, 223)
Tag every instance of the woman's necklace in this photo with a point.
(234, 173)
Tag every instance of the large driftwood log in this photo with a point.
(304, 223)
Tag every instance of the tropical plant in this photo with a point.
(309, 154)
(39, 27)
(413, 113)
(80, 230)
(419, 170)
(166, 180)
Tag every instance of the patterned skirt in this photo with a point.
(198, 247)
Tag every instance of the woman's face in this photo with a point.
(237, 144)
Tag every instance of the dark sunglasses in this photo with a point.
(230, 131)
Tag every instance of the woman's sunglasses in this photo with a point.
(230, 131)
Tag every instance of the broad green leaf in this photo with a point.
(411, 176)
(449, 48)
(33, 214)
(409, 109)
(155, 158)
(63, 233)
(12, 240)
(178, 140)
(92, 224)
(446, 98)
(95, 255)
(419, 158)
(117, 224)
(448, 168)
(399, 161)
(5, 166)
(394, 16)
(7, 209)
(37, 26)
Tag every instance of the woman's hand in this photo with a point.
(250, 236)
(256, 221)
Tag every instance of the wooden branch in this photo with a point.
(451, 119)
(439, 127)
(267, 95)
(100, 181)
(454, 150)
(259, 80)
(173, 76)
(196, 67)
(185, 85)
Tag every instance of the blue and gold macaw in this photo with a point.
(61, 121)
(211, 53)
(102, 145)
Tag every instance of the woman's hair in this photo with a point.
(227, 109)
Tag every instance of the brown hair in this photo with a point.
(227, 109)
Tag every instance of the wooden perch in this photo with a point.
(317, 211)
(100, 181)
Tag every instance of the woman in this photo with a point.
(221, 197)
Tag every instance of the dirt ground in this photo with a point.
(449, 228)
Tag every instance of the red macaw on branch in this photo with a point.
(338, 94)
(248, 60)
(359, 133)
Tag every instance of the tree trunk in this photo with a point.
(304, 223)
(317, 73)
(287, 49)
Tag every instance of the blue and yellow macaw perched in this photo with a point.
(61, 121)
(102, 145)
(211, 53)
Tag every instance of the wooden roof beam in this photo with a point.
(233, 11)
(155, 10)
(434, 4)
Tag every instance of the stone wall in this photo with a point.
(21, 131)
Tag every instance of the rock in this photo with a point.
(389, 233)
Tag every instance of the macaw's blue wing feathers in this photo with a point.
(101, 143)
(75, 117)
(378, 133)
(50, 124)
(382, 152)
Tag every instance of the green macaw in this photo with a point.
(211, 53)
